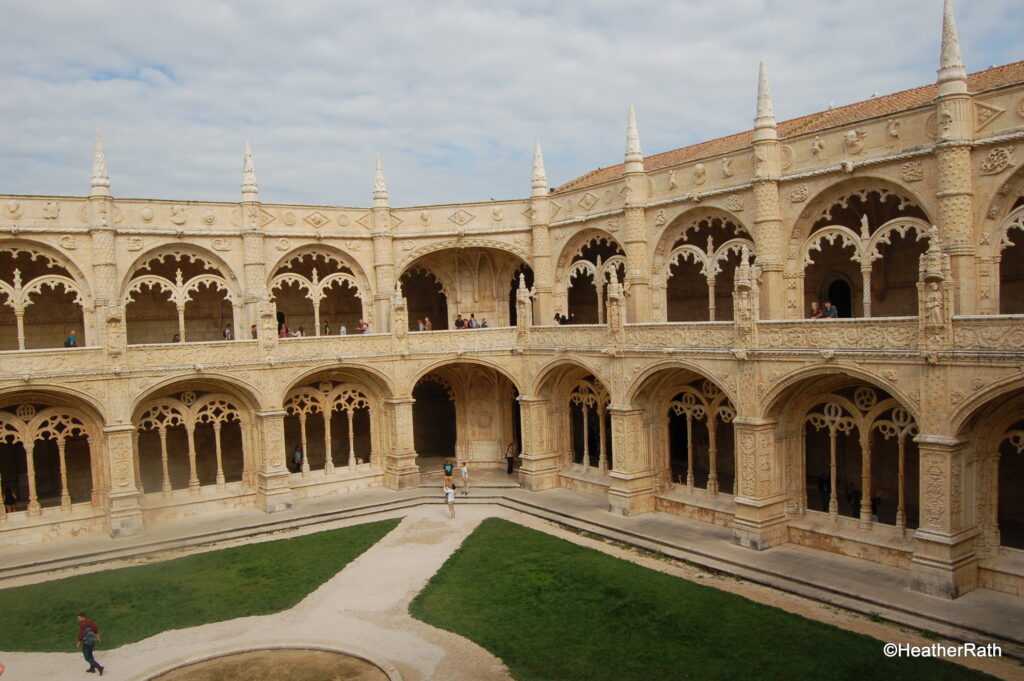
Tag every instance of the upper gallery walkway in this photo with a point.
(869, 588)
(989, 335)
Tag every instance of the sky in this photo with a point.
(451, 93)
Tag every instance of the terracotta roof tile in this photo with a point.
(997, 76)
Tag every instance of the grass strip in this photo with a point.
(556, 611)
(130, 604)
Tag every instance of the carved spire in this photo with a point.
(380, 190)
(764, 122)
(952, 74)
(250, 190)
(634, 157)
(100, 180)
(540, 177)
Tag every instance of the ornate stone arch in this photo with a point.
(179, 251)
(459, 243)
(343, 259)
(680, 225)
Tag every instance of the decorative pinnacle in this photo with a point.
(540, 177)
(634, 157)
(100, 180)
(764, 122)
(380, 190)
(250, 190)
(952, 74)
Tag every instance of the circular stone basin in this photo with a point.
(285, 664)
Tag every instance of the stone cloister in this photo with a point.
(688, 380)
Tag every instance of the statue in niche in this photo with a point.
(934, 304)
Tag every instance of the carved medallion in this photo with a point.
(912, 171)
(461, 217)
(317, 219)
(700, 174)
(799, 193)
(997, 161)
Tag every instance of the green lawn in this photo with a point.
(552, 610)
(129, 604)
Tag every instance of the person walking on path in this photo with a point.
(448, 470)
(510, 456)
(464, 470)
(88, 637)
(449, 496)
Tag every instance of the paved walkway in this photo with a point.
(363, 609)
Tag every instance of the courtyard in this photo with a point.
(584, 605)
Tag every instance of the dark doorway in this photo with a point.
(841, 296)
(433, 418)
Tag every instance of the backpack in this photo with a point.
(89, 637)
(67, 343)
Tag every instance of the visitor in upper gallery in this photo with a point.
(427, 326)
(483, 323)
(830, 311)
(71, 341)
(252, 330)
(342, 329)
(460, 323)
(175, 338)
(816, 311)
(473, 323)
(420, 325)
(283, 331)
(327, 328)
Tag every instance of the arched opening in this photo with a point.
(190, 439)
(464, 411)
(700, 442)
(1010, 508)
(872, 238)
(860, 457)
(328, 425)
(425, 299)
(317, 293)
(178, 297)
(586, 279)
(591, 425)
(46, 457)
(698, 270)
(527, 275)
(1011, 273)
(40, 303)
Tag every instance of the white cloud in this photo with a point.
(451, 93)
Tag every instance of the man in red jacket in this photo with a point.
(88, 637)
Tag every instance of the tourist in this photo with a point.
(300, 333)
(427, 326)
(10, 499)
(830, 312)
(473, 323)
(558, 318)
(876, 501)
(3, 668)
(460, 323)
(71, 341)
(464, 470)
(175, 338)
(297, 458)
(228, 334)
(483, 323)
(342, 329)
(816, 311)
(510, 457)
(449, 496)
(422, 326)
(327, 328)
(448, 470)
(282, 331)
(88, 637)
(364, 326)
(252, 330)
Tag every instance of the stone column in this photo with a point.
(540, 220)
(106, 325)
(539, 469)
(124, 501)
(254, 265)
(383, 255)
(769, 235)
(633, 476)
(945, 563)
(273, 492)
(954, 112)
(400, 468)
(638, 275)
(760, 521)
